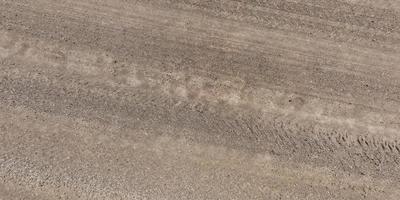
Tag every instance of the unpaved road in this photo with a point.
(193, 99)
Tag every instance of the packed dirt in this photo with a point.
(193, 99)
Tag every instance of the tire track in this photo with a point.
(258, 83)
(157, 23)
(338, 33)
(163, 59)
(201, 94)
(296, 139)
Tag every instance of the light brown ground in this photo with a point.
(193, 99)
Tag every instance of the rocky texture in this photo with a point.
(190, 99)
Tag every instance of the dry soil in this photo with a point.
(199, 99)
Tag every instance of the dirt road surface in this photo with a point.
(193, 99)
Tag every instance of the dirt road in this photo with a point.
(193, 99)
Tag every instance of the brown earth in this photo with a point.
(199, 99)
